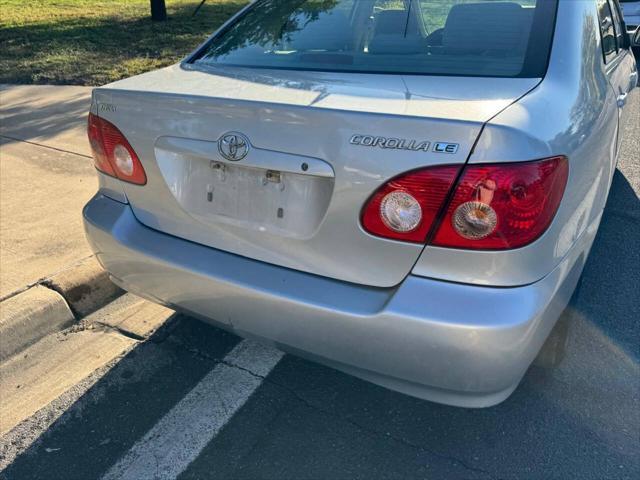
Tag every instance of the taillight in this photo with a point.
(503, 206)
(112, 153)
(492, 207)
(94, 131)
(405, 207)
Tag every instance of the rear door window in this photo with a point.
(438, 37)
(617, 25)
(605, 16)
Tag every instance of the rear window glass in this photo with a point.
(438, 37)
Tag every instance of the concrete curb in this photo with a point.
(27, 317)
(53, 305)
(86, 287)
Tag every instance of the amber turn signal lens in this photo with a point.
(503, 206)
(474, 220)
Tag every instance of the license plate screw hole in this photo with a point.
(220, 168)
(273, 176)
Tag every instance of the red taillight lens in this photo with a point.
(405, 207)
(112, 153)
(503, 206)
(94, 131)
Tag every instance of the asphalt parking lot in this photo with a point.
(196, 402)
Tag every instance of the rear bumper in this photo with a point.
(451, 343)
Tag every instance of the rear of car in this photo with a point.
(372, 184)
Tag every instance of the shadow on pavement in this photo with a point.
(609, 295)
(93, 432)
(24, 121)
(580, 420)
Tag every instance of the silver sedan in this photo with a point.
(404, 190)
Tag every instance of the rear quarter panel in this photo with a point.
(572, 112)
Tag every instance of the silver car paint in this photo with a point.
(418, 338)
(276, 111)
(572, 112)
(445, 341)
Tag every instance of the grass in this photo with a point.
(93, 42)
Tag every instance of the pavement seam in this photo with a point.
(158, 336)
(125, 333)
(12, 444)
(14, 139)
(67, 403)
(42, 281)
(197, 352)
(179, 437)
(372, 431)
(379, 433)
(96, 291)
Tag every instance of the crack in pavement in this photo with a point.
(373, 431)
(369, 430)
(44, 281)
(15, 139)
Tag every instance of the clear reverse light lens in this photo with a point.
(124, 162)
(475, 220)
(400, 211)
(503, 206)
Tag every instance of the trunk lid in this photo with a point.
(292, 185)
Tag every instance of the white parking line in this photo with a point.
(178, 438)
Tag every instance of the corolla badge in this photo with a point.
(233, 146)
(403, 144)
(393, 143)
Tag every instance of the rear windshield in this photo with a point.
(435, 37)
